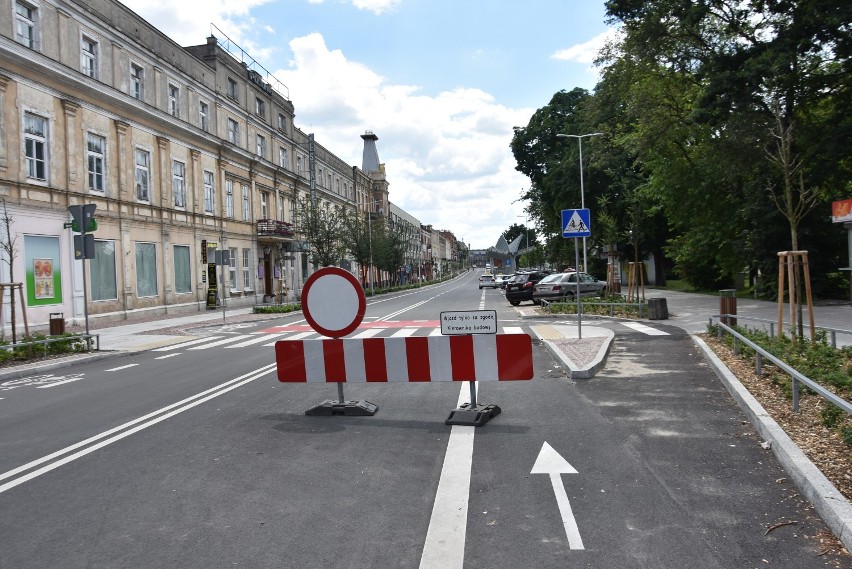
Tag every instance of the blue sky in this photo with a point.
(440, 82)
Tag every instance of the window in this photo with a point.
(209, 196)
(95, 146)
(179, 183)
(143, 167)
(35, 146)
(26, 22)
(264, 205)
(282, 122)
(232, 89)
(89, 57)
(146, 269)
(246, 204)
(281, 207)
(337, 188)
(102, 272)
(229, 198)
(137, 81)
(259, 107)
(203, 116)
(329, 181)
(320, 177)
(299, 165)
(232, 268)
(183, 269)
(282, 157)
(174, 100)
(261, 146)
(233, 131)
(246, 271)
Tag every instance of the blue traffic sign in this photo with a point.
(576, 223)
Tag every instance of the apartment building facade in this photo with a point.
(184, 151)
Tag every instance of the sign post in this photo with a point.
(577, 223)
(334, 304)
(84, 248)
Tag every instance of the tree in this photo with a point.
(322, 227)
(9, 245)
(356, 239)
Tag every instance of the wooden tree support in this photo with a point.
(635, 282)
(788, 259)
(20, 288)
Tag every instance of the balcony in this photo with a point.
(274, 228)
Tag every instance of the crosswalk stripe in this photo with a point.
(369, 332)
(403, 332)
(185, 344)
(221, 342)
(645, 329)
(512, 330)
(435, 332)
(258, 338)
(299, 336)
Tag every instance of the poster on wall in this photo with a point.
(43, 273)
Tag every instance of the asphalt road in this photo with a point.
(196, 457)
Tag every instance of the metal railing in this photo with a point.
(87, 338)
(832, 332)
(796, 376)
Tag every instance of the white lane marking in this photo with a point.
(184, 344)
(258, 338)
(482, 300)
(445, 538)
(167, 356)
(645, 329)
(174, 409)
(60, 382)
(221, 342)
(435, 332)
(403, 333)
(512, 330)
(552, 463)
(122, 367)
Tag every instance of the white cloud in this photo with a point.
(447, 155)
(376, 6)
(586, 52)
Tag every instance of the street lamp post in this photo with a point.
(580, 138)
(527, 232)
(370, 234)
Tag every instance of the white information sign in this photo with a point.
(469, 322)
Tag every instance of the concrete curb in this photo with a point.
(584, 372)
(831, 505)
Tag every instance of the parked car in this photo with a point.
(521, 287)
(502, 280)
(563, 286)
(487, 281)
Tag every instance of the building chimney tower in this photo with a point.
(370, 159)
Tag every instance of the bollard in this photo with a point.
(728, 306)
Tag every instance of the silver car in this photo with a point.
(559, 286)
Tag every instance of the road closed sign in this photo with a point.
(469, 322)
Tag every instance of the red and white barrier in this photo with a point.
(492, 357)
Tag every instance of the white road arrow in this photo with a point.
(551, 462)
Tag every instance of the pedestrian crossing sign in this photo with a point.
(576, 223)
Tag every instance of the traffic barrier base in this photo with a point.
(472, 415)
(349, 408)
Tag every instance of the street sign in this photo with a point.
(82, 215)
(84, 246)
(469, 322)
(576, 223)
(333, 302)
